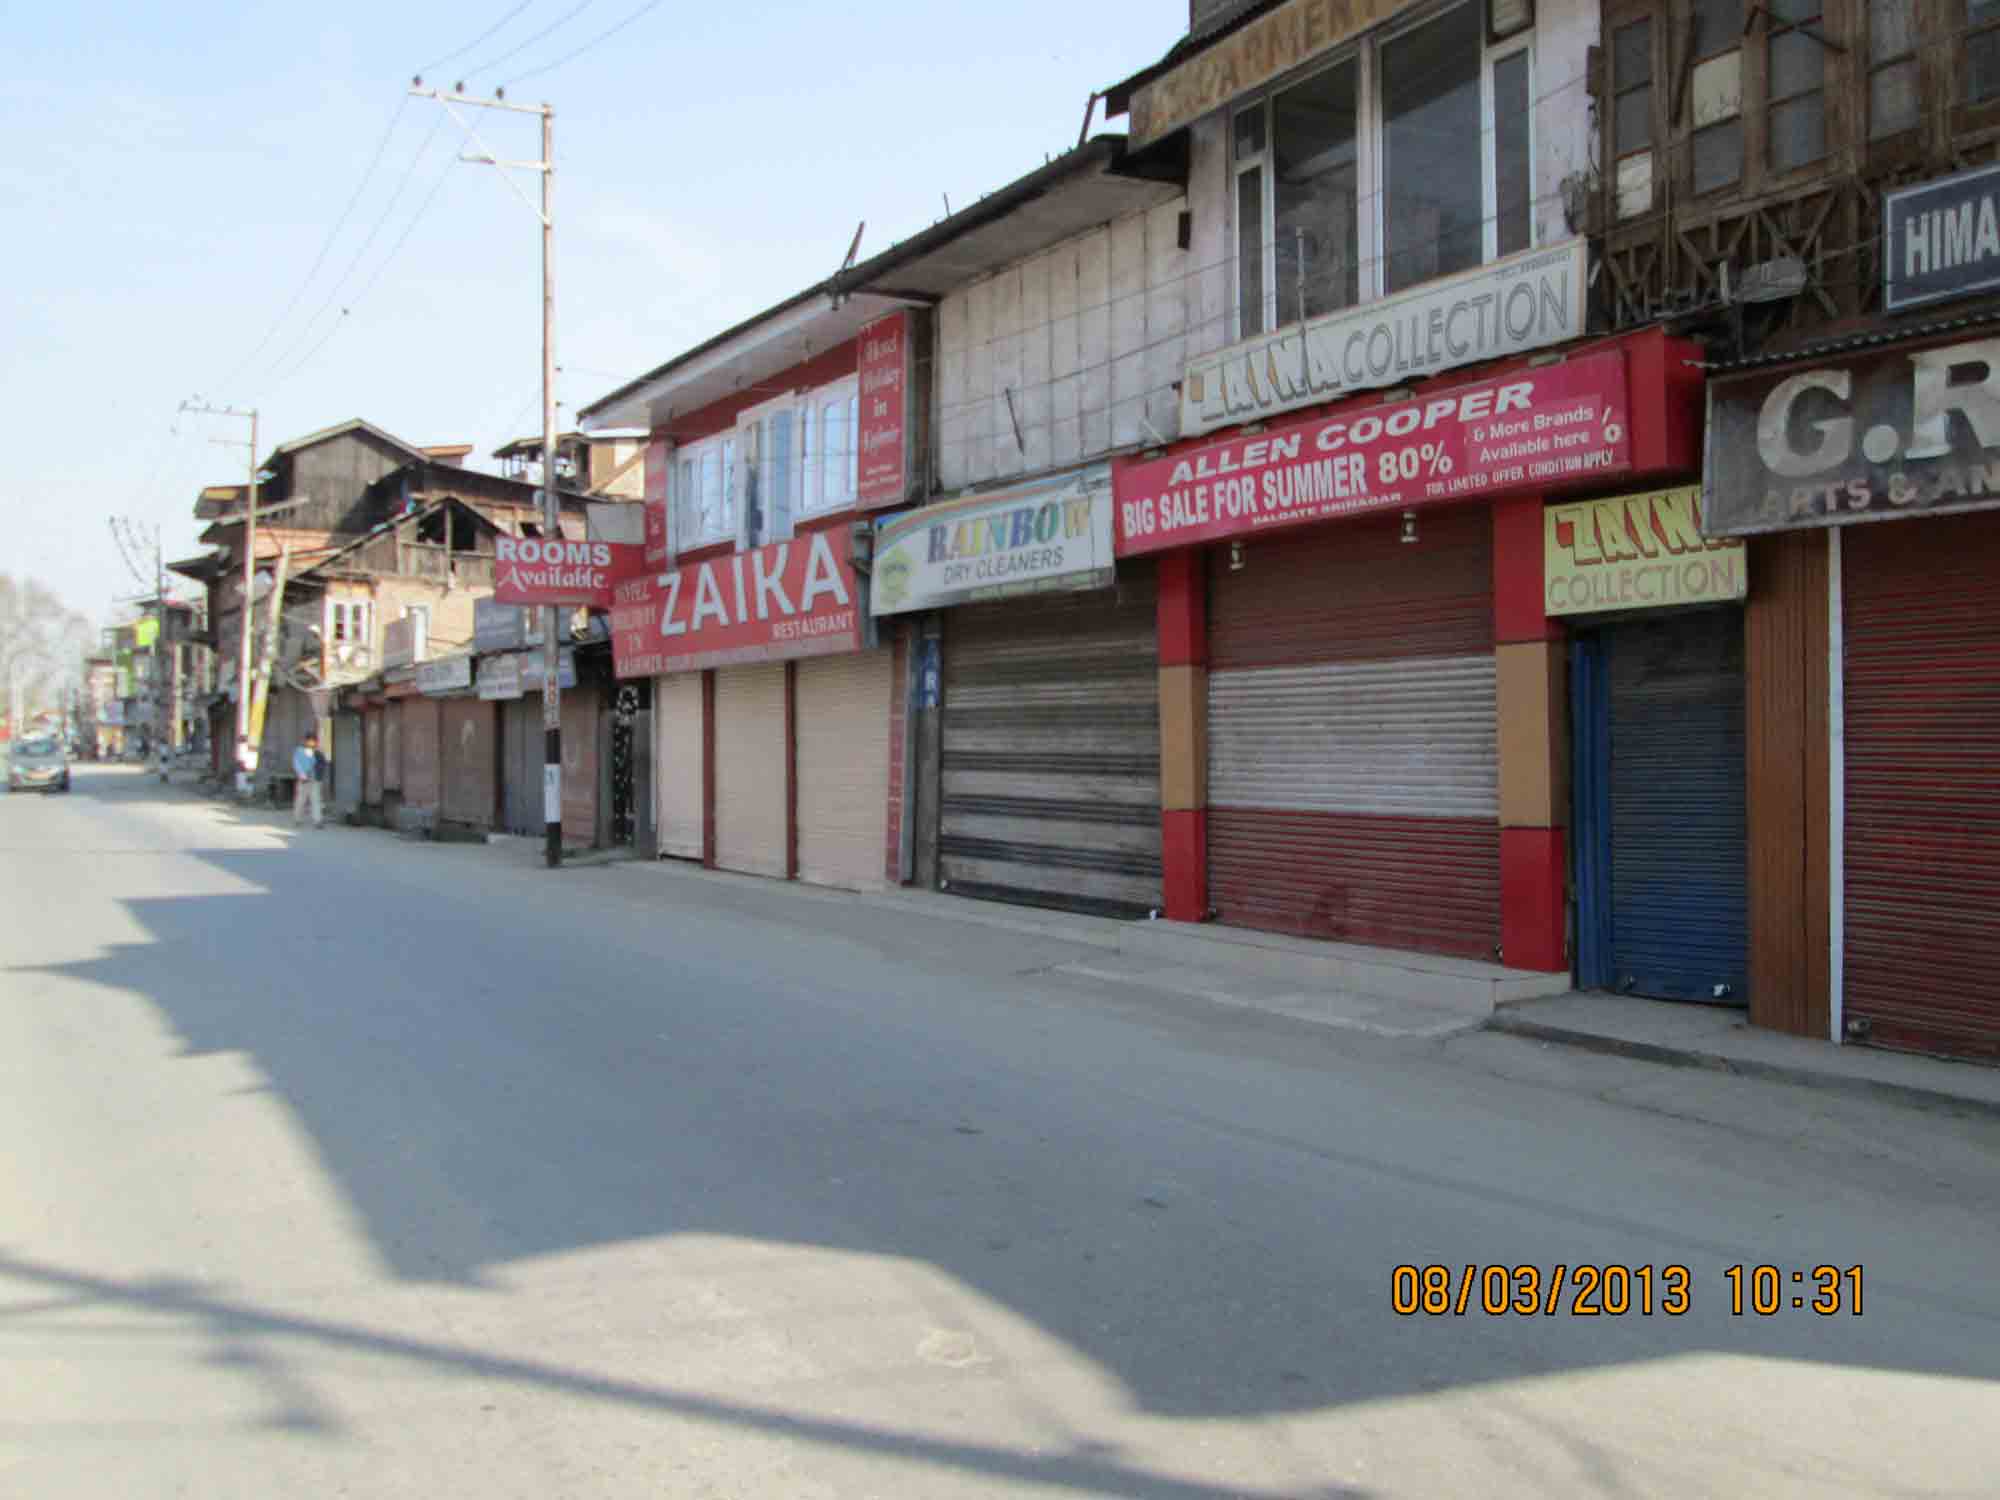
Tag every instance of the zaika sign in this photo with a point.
(534, 570)
(1871, 439)
(796, 598)
(1535, 429)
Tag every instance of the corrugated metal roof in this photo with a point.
(1873, 338)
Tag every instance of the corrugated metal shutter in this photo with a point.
(422, 771)
(392, 747)
(1353, 744)
(346, 763)
(751, 800)
(579, 766)
(677, 737)
(521, 779)
(843, 767)
(1679, 834)
(1051, 749)
(371, 754)
(470, 761)
(1922, 687)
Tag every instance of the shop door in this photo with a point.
(751, 795)
(1050, 769)
(843, 767)
(579, 766)
(470, 762)
(422, 769)
(678, 756)
(371, 755)
(629, 757)
(1353, 749)
(1660, 828)
(392, 748)
(1921, 634)
(521, 776)
(346, 763)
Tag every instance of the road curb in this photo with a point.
(1745, 1067)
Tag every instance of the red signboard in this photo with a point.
(1535, 429)
(658, 464)
(884, 426)
(796, 598)
(530, 570)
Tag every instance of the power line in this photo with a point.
(600, 38)
(460, 52)
(560, 21)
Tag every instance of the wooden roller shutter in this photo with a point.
(677, 739)
(521, 776)
(1353, 746)
(392, 747)
(470, 754)
(842, 713)
(421, 768)
(1051, 749)
(750, 780)
(1922, 688)
(371, 755)
(579, 754)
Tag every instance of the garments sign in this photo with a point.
(884, 426)
(1531, 430)
(1871, 438)
(556, 570)
(497, 626)
(659, 464)
(1941, 239)
(448, 674)
(1636, 552)
(1524, 302)
(499, 677)
(785, 599)
(1055, 535)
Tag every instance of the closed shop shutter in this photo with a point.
(521, 778)
(1353, 746)
(422, 772)
(1922, 848)
(346, 762)
(843, 767)
(371, 755)
(580, 732)
(470, 761)
(750, 793)
(1679, 852)
(677, 739)
(1050, 771)
(392, 747)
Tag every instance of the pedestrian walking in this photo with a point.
(306, 762)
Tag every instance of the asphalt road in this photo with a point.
(335, 1164)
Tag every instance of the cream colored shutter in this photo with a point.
(677, 736)
(750, 791)
(843, 729)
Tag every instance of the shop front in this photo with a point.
(1360, 687)
(771, 720)
(1872, 469)
(1044, 768)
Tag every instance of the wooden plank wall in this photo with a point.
(1089, 337)
(1785, 672)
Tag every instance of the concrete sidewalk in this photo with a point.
(1722, 1039)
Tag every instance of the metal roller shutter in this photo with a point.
(346, 764)
(1353, 745)
(677, 739)
(1922, 849)
(843, 767)
(422, 772)
(1679, 835)
(371, 755)
(521, 781)
(1051, 749)
(392, 748)
(470, 754)
(579, 768)
(751, 799)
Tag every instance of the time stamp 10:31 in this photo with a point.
(1597, 1291)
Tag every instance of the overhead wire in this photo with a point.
(459, 52)
(515, 51)
(596, 41)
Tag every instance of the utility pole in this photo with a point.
(245, 751)
(551, 506)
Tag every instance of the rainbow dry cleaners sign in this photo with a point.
(530, 570)
(1533, 429)
(1036, 538)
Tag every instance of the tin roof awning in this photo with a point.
(1848, 343)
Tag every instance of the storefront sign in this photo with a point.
(497, 626)
(659, 464)
(1941, 239)
(533, 570)
(1272, 44)
(884, 406)
(1525, 302)
(1869, 439)
(1055, 535)
(499, 677)
(796, 598)
(1636, 552)
(1534, 429)
(448, 674)
(404, 642)
(533, 676)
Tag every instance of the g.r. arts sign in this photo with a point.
(1869, 438)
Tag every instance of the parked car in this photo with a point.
(38, 764)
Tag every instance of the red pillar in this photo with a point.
(1532, 706)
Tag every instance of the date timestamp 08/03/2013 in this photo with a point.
(1591, 1291)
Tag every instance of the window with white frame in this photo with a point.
(347, 622)
(767, 438)
(704, 498)
(829, 447)
(1356, 181)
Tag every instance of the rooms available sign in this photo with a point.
(796, 598)
(531, 570)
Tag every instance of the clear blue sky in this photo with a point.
(173, 173)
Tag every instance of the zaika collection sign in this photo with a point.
(1869, 438)
(1538, 428)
